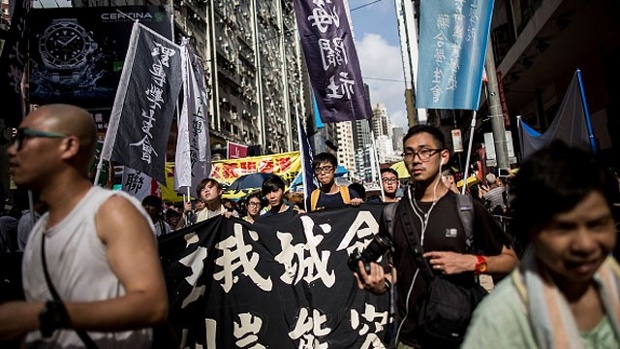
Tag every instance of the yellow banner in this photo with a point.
(167, 192)
(285, 165)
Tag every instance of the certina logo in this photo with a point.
(117, 16)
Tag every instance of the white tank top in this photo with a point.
(78, 267)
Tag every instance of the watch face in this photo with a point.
(64, 45)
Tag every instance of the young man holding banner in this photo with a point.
(330, 194)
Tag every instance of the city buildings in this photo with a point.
(253, 69)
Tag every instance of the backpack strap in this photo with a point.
(345, 194)
(314, 199)
(389, 215)
(465, 208)
(316, 193)
(412, 234)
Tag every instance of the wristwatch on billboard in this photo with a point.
(65, 48)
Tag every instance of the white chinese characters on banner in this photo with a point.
(154, 94)
(333, 51)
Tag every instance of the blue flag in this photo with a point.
(453, 41)
(332, 61)
(570, 124)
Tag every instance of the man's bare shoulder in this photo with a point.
(117, 214)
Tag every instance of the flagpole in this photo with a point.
(520, 134)
(376, 162)
(469, 147)
(582, 92)
(99, 168)
(302, 156)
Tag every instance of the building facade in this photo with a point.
(346, 147)
(253, 69)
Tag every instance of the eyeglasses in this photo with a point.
(253, 204)
(22, 133)
(323, 169)
(424, 154)
(389, 180)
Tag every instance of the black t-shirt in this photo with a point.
(445, 232)
(331, 200)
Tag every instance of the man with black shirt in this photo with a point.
(330, 194)
(434, 212)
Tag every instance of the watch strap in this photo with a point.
(481, 265)
(53, 316)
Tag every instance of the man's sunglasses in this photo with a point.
(22, 133)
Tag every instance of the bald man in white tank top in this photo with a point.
(99, 246)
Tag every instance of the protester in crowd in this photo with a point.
(432, 209)
(359, 189)
(210, 192)
(254, 206)
(154, 207)
(229, 205)
(191, 210)
(98, 245)
(273, 191)
(8, 229)
(297, 199)
(448, 178)
(173, 218)
(389, 180)
(493, 193)
(329, 194)
(565, 292)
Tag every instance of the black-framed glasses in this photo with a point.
(389, 180)
(324, 169)
(253, 204)
(23, 132)
(423, 154)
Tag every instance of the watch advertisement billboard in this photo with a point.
(77, 54)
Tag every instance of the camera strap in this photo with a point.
(412, 234)
(88, 342)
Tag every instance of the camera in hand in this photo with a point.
(377, 247)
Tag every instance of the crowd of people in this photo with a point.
(91, 273)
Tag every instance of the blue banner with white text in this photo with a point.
(453, 41)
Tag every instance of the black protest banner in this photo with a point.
(283, 282)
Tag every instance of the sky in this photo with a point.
(376, 37)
